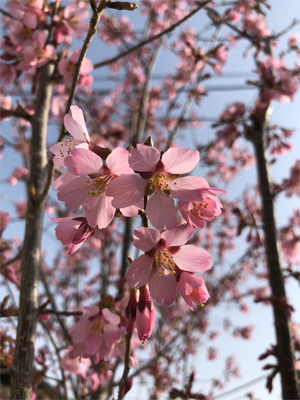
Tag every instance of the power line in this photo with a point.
(163, 76)
(250, 383)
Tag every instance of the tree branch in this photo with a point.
(151, 39)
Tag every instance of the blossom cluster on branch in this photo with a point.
(127, 181)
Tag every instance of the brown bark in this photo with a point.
(21, 379)
(285, 347)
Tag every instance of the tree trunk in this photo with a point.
(285, 347)
(21, 379)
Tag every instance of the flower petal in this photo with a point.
(62, 180)
(161, 211)
(111, 317)
(180, 161)
(83, 162)
(112, 334)
(126, 190)
(132, 211)
(74, 193)
(66, 229)
(117, 162)
(187, 188)
(80, 331)
(143, 158)
(163, 287)
(192, 259)
(100, 212)
(146, 238)
(139, 271)
(178, 236)
(75, 125)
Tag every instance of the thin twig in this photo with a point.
(13, 113)
(11, 261)
(151, 39)
(126, 366)
(97, 12)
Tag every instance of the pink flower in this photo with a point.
(196, 213)
(4, 221)
(77, 190)
(75, 20)
(192, 288)
(159, 177)
(145, 315)
(67, 66)
(73, 232)
(130, 310)
(165, 259)
(75, 125)
(95, 334)
(72, 364)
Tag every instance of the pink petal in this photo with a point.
(187, 188)
(143, 158)
(83, 162)
(139, 271)
(74, 122)
(89, 311)
(180, 161)
(145, 322)
(66, 229)
(80, 330)
(126, 190)
(117, 162)
(87, 66)
(132, 211)
(192, 259)
(92, 343)
(63, 150)
(30, 20)
(161, 211)
(100, 212)
(40, 38)
(74, 193)
(62, 180)
(163, 287)
(112, 334)
(187, 283)
(78, 117)
(178, 236)
(146, 238)
(111, 317)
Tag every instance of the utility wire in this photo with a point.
(250, 383)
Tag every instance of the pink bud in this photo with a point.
(145, 315)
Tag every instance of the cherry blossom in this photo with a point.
(196, 213)
(67, 67)
(166, 256)
(75, 125)
(159, 177)
(77, 190)
(95, 334)
(73, 232)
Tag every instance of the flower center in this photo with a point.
(67, 145)
(164, 262)
(159, 182)
(97, 186)
(200, 208)
(96, 327)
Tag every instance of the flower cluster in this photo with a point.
(107, 183)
